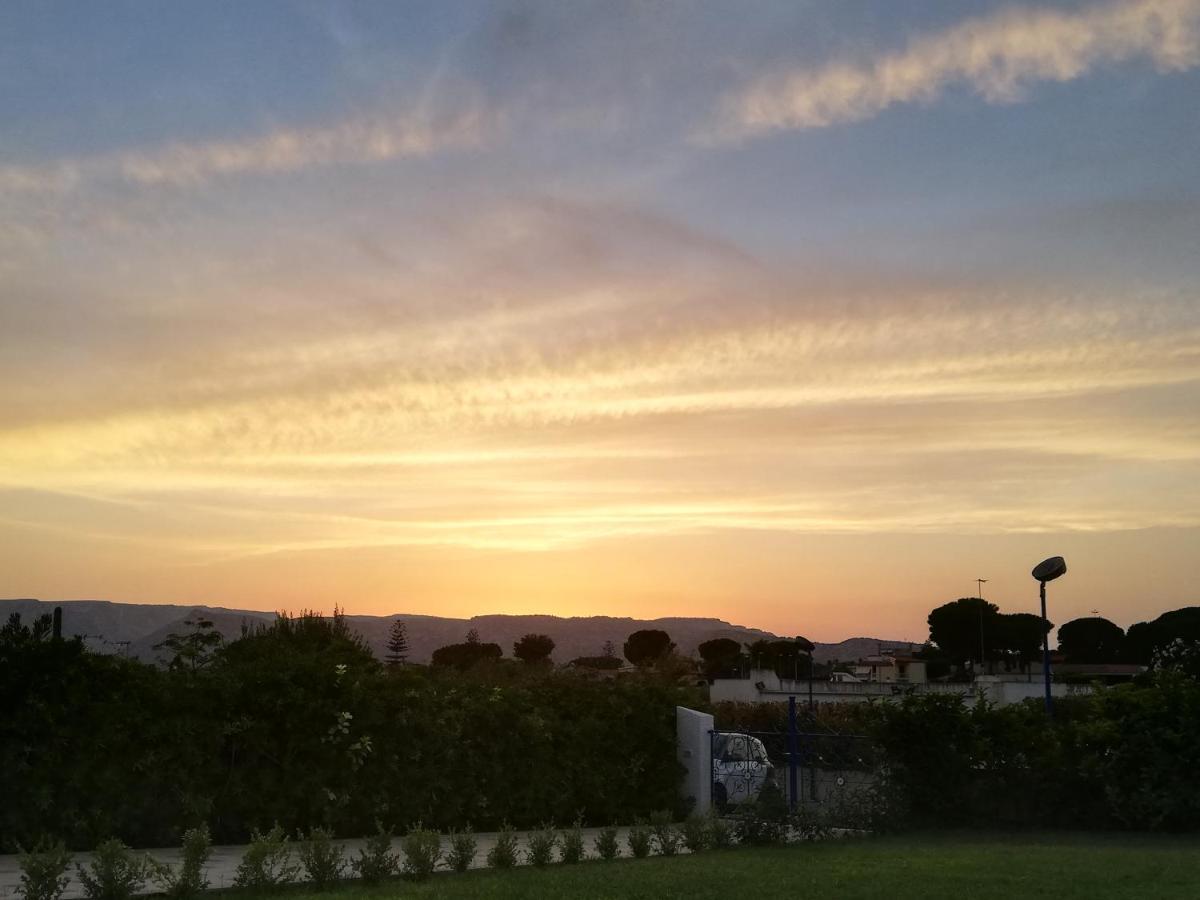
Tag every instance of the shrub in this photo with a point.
(376, 861)
(422, 849)
(322, 858)
(766, 820)
(639, 839)
(267, 864)
(44, 871)
(607, 846)
(188, 879)
(571, 843)
(696, 831)
(720, 835)
(116, 872)
(808, 823)
(666, 835)
(462, 850)
(503, 854)
(541, 846)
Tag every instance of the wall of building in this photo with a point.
(994, 690)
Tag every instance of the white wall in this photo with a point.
(693, 746)
(990, 688)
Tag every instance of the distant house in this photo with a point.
(891, 669)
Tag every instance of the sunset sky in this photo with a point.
(802, 315)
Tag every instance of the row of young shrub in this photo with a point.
(115, 872)
(1123, 757)
(300, 725)
(271, 861)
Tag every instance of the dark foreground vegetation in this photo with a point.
(298, 725)
(933, 866)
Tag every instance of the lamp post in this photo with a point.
(1047, 570)
(979, 583)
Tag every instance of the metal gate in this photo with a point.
(810, 767)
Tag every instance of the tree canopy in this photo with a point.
(788, 658)
(1093, 639)
(973, 630)
(466, 655)
(1144, 638)
(720, 656)
(648, 646)
(534, 648)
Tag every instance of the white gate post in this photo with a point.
(693, 743)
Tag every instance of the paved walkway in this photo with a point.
(223, 863)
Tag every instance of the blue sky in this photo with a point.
(352, 290)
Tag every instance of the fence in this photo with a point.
(810, 766)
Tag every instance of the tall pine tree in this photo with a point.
(397, 644)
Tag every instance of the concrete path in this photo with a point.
(223, 863)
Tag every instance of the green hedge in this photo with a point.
(1125, 757)
(300, 725)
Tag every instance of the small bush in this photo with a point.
(666, 835)
(571, 843)
(462, 850)
(765, 821)
(541, 846)
(267, 864)
(44, 871)
(503, 854)
(116, 872)
(422, 849)
(376, 861)
(188, 879)
(607, 846)
(639, 840)
(322, 858)
(720, 835)
(696, 831)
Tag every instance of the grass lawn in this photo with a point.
(930, 866)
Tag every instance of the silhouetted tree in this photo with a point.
(534, 648)
(609, 649)
(1093, 639)
(648, 646)
(1019, 637)
(467, 654)
(720, 656)
(14, 634)
(192, 650)
(787, 658)
(1144, 638)
(397, 644)
(472, 636)
(955, 628)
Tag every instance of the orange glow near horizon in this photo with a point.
(806, 339)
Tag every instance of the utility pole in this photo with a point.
(979, 583)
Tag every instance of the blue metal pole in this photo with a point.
(1046, 652)
(793, 752)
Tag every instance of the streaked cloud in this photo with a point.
(363, 139)
(998, 56)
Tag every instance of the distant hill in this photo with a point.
(135, 628)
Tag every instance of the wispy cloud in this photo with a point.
(998, 56)
(363, 139)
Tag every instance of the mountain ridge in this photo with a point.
(136, 628)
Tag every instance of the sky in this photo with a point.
(803, 315)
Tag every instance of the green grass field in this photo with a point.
(932, 867)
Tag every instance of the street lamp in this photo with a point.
(1047, 570)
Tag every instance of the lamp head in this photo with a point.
(1049, 569)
